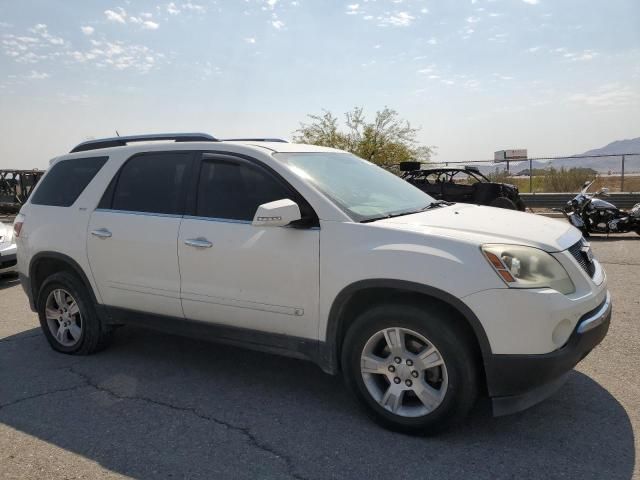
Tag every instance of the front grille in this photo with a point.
(582, 259)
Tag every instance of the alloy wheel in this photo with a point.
(404, 372)
(63, 317)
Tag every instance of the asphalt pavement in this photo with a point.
(158, 406)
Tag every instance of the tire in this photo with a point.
(520, 205)
(503, 202)
(66, 289)
(455, 382)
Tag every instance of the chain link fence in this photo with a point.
(618, 173)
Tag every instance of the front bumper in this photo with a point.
(516, 382)
(8, 259)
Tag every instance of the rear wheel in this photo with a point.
(410, 369)
(68, 316)
(503, 202)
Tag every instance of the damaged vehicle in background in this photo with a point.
(461, 185)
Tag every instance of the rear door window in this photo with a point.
(66, 180)
(152, 183)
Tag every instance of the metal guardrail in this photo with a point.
(557, 200)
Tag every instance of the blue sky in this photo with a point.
(553, 76)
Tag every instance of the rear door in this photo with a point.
(235, 274)
(132, 236)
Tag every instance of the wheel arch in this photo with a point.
(356, 297)
(43, 264)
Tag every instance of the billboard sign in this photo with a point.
(513, 154)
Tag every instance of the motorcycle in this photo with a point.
(591, 214)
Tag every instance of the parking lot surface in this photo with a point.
(157, 406)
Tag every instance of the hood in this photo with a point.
(477, 224)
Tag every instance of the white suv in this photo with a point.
(314, 253)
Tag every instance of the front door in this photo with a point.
(132, 236)
(235, 274)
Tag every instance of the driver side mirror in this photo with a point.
(603, 191)
(586, 184)
(276, 214)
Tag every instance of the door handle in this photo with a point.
(101, 233)
(199, 242)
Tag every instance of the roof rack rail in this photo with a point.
(277, 140)
(123, 141)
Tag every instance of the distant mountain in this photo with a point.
(618, 147)
(606, 164)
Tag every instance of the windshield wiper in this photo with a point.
(436, 204)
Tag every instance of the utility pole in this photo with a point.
(622, 176)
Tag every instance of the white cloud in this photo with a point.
(398, 19)
(473, 19)
(277, 24)
(119, 17)
(172, 9)
(532, 2)
(194, 7)
(251, 40)
(41, 30)
(610, 95)
(42, 46)
(144, 20)
(87, 30)
(33, 75)
(150, 25)
(353, 9)
(582, 56)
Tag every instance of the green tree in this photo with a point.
(387, 140)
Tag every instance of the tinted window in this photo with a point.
(152, 183)
(235, 190)
(66, 180)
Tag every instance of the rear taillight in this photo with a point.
(17, 225)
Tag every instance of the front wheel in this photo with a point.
(411, 369)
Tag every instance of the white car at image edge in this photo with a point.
(421, 306)
(8, 260)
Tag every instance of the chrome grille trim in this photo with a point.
(576, 252)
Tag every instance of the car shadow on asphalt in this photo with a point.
(157, 406)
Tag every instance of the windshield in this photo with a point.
(361, 189)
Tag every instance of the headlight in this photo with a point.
(528, 267)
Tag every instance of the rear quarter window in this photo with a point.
(66, 180)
